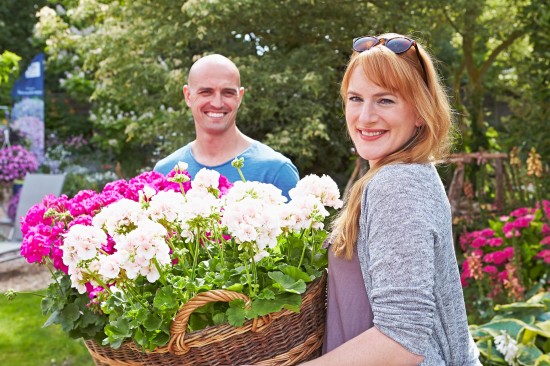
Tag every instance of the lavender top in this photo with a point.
(348, 309)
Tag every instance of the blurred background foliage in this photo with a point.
(115, 70)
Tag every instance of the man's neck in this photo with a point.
(216, 150)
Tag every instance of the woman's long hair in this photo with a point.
(401, 74)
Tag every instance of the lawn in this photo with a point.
(23, 341)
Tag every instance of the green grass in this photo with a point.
(23, 341)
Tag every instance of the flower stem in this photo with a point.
(303, 248)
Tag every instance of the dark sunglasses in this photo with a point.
(397, 45)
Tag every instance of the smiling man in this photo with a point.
(214, 94)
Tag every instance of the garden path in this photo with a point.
(19, 275)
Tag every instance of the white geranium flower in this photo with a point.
(181, 166)
(324, 188)
(146, 193)
(110, 266)
(119, 216)
(82, 243)
(206, 179)
(166, 205)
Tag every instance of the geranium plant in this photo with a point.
(508, 260)
(15, 163)
(128, 258)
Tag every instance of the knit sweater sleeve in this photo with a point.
(400, 213)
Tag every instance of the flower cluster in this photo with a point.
(510, 257)
(148, 245)
(15, 163)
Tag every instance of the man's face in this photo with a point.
(214, 95)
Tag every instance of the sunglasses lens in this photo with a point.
(364, 43)
(399, 45)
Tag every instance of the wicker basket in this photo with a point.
(281, 338)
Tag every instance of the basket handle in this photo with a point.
(179, 324)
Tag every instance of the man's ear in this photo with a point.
(241, 93)
(187, 94)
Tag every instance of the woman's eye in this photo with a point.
(354, 99)
(386, 101)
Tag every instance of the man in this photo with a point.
(214, 94)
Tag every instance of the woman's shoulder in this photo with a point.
(404, 174)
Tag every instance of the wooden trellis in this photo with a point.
(455, 192)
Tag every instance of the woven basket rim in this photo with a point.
(211, 333)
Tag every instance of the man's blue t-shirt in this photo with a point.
(261, 163)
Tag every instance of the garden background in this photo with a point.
(114, 106)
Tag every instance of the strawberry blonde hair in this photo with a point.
(403, 75)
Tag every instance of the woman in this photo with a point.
(394, 293)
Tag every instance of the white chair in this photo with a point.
(35, 187)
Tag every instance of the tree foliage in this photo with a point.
(131, 58)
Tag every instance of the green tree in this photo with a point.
(483, 32)
(137, 62)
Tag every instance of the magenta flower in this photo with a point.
(520, 212)
(523, 221)
(545, 255)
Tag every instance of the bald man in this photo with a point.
(214, 94)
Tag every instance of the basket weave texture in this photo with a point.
(281, 338)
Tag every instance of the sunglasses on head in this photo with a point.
(397, 45)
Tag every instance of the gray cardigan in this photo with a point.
(406, 253)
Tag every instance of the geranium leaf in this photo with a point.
(236, 313)
(51, 319)
(165, 298)
(296, 273)
(68, 316)
(152, 322)
(286, 283)
(262, 307)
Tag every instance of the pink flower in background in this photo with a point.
(15, 163)
(545, 230)
(545, 241)
(546, 207)
(509, 230)
(495, 242)
(545, 255)
(490, 269)
(521, 212)
(479, 242)
(523, 221)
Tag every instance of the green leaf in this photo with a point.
(152, 322)
(488, 350)
(530, 332)
(511, 326)
(296, 273)
(51, 319)
(543, 360)
(68, 316)
(165, 298)
(286, 283)
(219, 318)
(237, 287)
(519, 307)
(236, 313)
(288, 301)
(527, 354)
